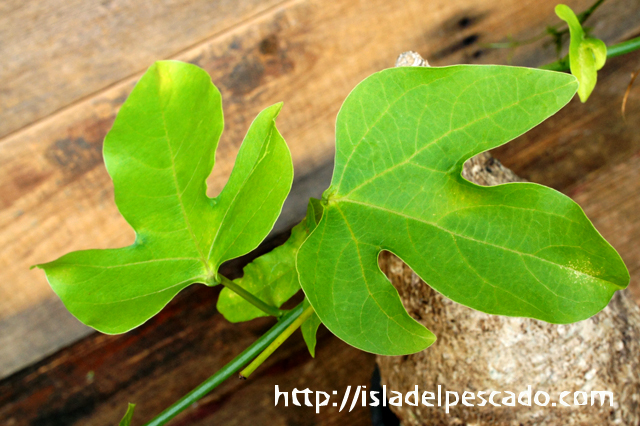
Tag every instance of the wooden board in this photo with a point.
(55, 195)
(57, 52)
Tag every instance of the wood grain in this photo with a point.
(55, 195)
(56, 52)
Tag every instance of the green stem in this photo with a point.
(264, 307)
(276, 343)
(514, 43)
(585, 15)
(612, 51)
(623, 48)
(231, 368)
(551, 30)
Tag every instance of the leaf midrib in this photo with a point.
(188, 280)
(438, 139)
(356, 242)
(175, 181)
(454, 234)
(375, 122)
(244, 182)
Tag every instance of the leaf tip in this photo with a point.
(42, 266)
(277, 107)
(128, 416)
(583, 97)
(561, 9)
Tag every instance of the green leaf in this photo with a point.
(309, 329)
(126, 420)
(586, 55)
(159, 153)
(271, 277)
(518, 249)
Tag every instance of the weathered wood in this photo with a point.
(57, 52)
(55, 195)
(30, 335)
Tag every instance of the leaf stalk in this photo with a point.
(258, 303)
(276, 343)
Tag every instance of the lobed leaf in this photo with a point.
(517, 249)
(159, 153)
(586, 55)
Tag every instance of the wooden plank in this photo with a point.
(30, 335)
(91, 382)
(56, 52)
(55, 195)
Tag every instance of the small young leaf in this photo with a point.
(126, 420)
(159, 153)
(309, 329)
(271, 277)
(518, 249)
(586, 55)
(274, 279)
